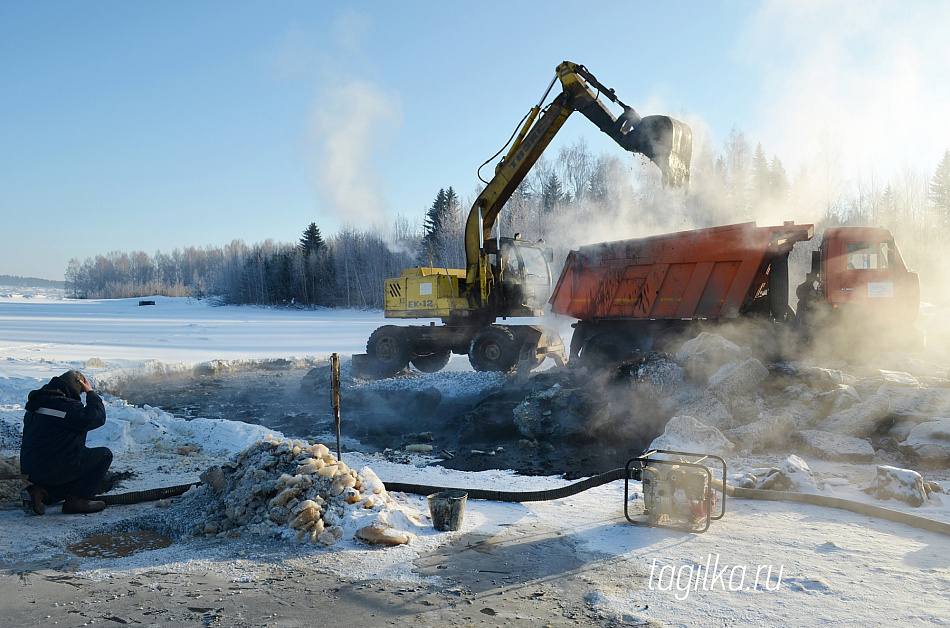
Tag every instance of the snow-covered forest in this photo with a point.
(572, 198)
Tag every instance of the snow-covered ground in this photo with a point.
(814, 565)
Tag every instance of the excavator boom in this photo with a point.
(665, 141)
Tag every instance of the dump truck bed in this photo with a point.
(705, 273)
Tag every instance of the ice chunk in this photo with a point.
(902, 484)
(684, 433)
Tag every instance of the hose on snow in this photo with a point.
(148, 495)
(826, 501)
(515, 496)
(569, 490)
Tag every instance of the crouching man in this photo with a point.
(54, 452)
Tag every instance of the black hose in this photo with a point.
(149, 495)
(136, 497)
(514, 496)
(618, 474)
(826, 501)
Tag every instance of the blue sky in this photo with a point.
(155, 125)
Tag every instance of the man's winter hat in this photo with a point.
(73, 379)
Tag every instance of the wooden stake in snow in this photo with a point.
(335, 398)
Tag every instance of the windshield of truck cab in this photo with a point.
(871, 255)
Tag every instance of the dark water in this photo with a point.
(119, 544)
(296, 404)
(265, 397)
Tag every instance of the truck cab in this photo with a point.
(864, 275)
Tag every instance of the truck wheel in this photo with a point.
(388, 349)
(493, 349)
(606, 349)
(672, 338)
(433, 362)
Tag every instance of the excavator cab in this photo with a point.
(524, 276)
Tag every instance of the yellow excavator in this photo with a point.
(507, 277)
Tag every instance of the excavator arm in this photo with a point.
(665, 141)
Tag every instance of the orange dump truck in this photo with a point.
(629, 294)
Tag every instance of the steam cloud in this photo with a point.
(862, 84)
(345, 129)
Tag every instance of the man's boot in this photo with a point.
(33, 497)
(81, 506)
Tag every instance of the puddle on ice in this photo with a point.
(119, 545)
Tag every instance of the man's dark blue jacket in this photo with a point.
(54, 432)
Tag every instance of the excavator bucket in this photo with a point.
(668, 143)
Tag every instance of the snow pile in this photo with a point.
(130, 430)
(289, 489)
(798, 475)
(793, 474)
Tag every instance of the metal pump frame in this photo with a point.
(634, 471)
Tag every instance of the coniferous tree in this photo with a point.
(721, 170)
(939, 192)
(778, 181)
(437, 227)
(315, 268)
(552, 192)
(760, 176)
(311, 241)
(886, 212)
(737, 181)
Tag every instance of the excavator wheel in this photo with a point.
(433, 362)
(388, 349)
(493, 349)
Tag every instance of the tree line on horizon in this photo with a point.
(15, 281)
(572, 199)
